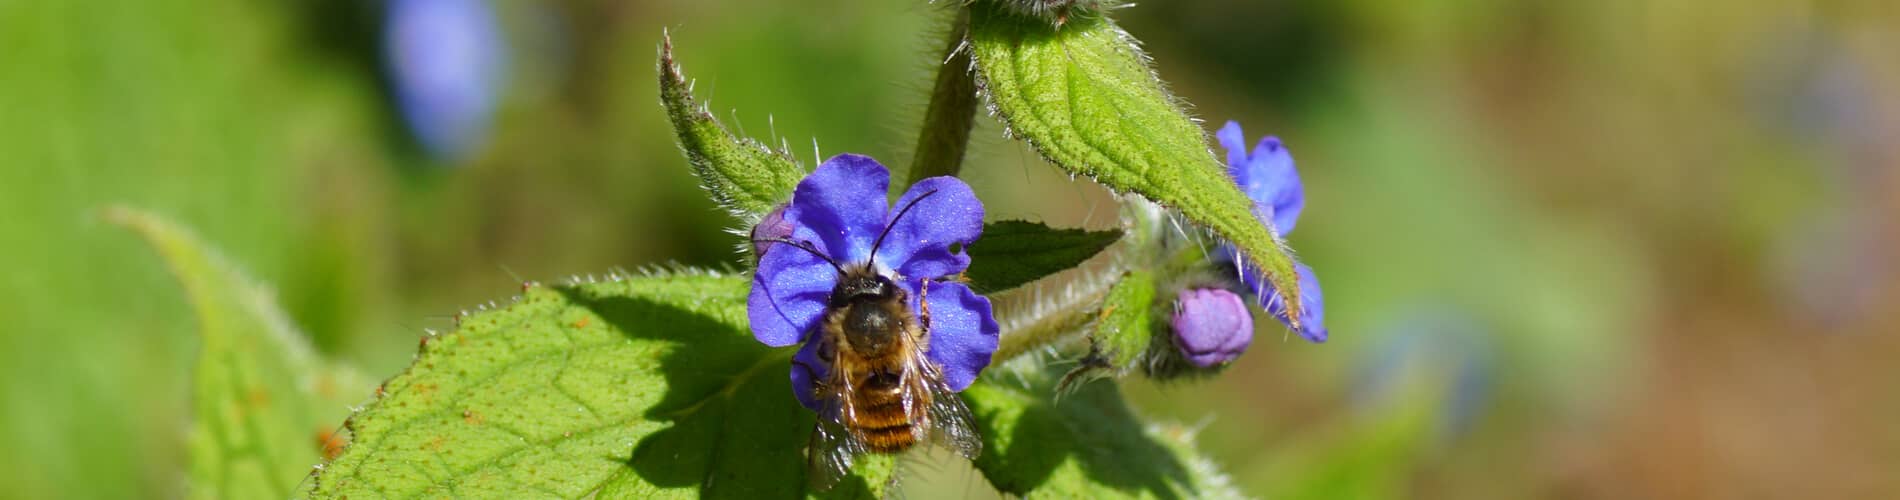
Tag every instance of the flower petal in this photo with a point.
(1236, 144)
(789, 292)
(840, 206)
(1312, 303)
(1273, 181)
(962, 332)
(919, 244)
(807, 370)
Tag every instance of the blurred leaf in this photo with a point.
(743, 175)
(635, 388)
(1083, 95)
(1370, 455)
(264, 402)
(1089, 444)
(1015, 252)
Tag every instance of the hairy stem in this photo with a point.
(946, 129)
(1032, 321)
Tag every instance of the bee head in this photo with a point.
(863, 287)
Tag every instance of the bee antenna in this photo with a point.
(803, 246)
(887, 227)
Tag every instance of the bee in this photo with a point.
(881, 393)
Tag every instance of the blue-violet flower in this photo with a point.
(446, 61)
(839, 210)
(1211, 326)
(1269, 179)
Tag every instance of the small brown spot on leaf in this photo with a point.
(330, 444)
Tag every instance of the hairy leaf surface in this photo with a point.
(742, 174)
(635, 388)
(1127, 325)
(1083, 96)
(1088, 444)
(1123, 331)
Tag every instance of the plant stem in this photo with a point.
(1043, 321)
(946, 130)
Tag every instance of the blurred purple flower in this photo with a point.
(1439, 346)
(1211, 326)
(1268, 178)
(839, 210)
(446, 64)
(1833, 267)
(1814, 89)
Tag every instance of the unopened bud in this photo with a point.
(773, 226)
(1211, 326)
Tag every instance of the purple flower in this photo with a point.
(445, 64)
(1211, 326)
(1269, 179)
(840, 210)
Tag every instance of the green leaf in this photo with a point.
(635, 388)
(1088, 444)
(743, 175)
(1083, 96)
(263, 402)
(1122, 334)
(1127, 324)
(1014, 252)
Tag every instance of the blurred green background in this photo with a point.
(1571, 249)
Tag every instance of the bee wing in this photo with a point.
(950, 421)
(828, 454)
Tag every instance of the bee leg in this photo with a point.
(923, 320)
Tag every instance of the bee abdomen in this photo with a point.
(890, 439)
(883, 414)
(884, 426)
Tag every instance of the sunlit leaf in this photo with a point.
(264, 404)
(742, 174)
(634, 388)
(1082, 94)
(1127, 324)
(1014, 252)
(1122, 333)
(1088, 444)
